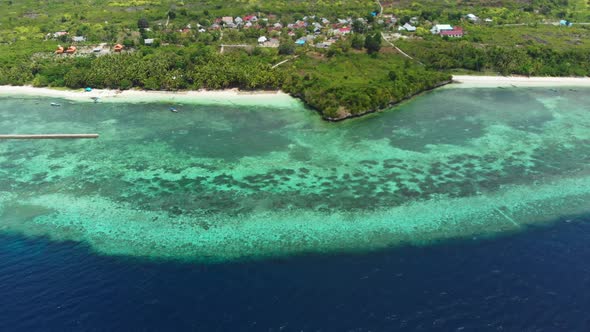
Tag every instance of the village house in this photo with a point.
(438, 28)
(344, 30)
(262, 40)
(472, 17)
(78, 39)
(457, 32)
(273, 42)
(565, 23)
(148, 41)
(407, 27)
(59, 34)
(227, 19)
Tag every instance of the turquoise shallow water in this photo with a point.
(223, 182)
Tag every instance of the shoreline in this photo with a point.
(470, 81)
(390, 105)
(276, 98)
(227, 96)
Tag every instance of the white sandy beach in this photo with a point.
(230, 96)
(468, 81)
(266, 98)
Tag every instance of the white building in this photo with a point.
(437, 29)
(408, 27)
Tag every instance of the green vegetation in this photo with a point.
(502, 11)
(174, 45)
(543, 50)
(351, 84)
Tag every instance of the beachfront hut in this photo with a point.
(118, 48)
(71, 50)
(59, 50)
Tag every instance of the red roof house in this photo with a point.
(457, 32)
(344, 30)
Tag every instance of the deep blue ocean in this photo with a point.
(537, 280)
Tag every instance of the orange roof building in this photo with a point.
(71, 50)
(59, 50)
(118, 48)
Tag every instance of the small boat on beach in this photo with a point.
(55, 104)
(173, 110)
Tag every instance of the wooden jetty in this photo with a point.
(49, 136)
